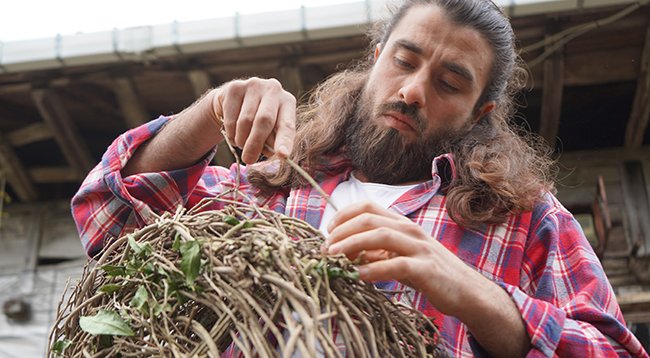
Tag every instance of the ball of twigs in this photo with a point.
(244, 278)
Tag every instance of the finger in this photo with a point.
(246, 119)
(232, 99)
(364, 222)
(397, 268)
(365, 257)
(285, 128)
(268, 145)
(262, 128)
(383, 238)
(355, 210)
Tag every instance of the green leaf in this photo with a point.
(158, 308)
(133, 267)
(247, 225)
(191, 260)
(109, 288)
(104, 342)
(139, 300)
(59, 346)
(142, 250)
(112, 270)
(337, 272)
(107, 323)
(149, 268)
(231, 220)
(177, 242)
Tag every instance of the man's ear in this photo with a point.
(486, 108)
(377, 51)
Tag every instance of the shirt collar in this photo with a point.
(444, 167)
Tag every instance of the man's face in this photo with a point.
(420, 93)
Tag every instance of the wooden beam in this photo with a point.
(133, 110)
(245, 67)
(637, 207)
(64, 130)
(15, 88)
(638, 123)
(291, 79)
(54, 175)
(15, 172)
(552, 96)
(339, 57)
(32, 133)
(602, 157)
(201, 81)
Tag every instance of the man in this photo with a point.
(459, 216)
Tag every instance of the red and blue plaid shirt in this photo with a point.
(540, 258)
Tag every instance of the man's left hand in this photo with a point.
(392, 247)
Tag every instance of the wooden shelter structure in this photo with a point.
(64, 99)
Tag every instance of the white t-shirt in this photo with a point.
(353, 190)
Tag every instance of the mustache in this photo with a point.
(410, 111)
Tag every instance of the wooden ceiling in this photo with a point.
(588, 93)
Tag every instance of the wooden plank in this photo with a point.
(64, 130)
(201, 82)
(15, 172)
(636, 317)
(634, 301)
(637, 207)
(603, 156)
(15, 88)
(244, 67)
(54, 175)
(553, 85)
(30, 134)
(640, 115)
(133, 110)
(595, 67)
(291, 79)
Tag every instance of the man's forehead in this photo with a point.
(424, 27)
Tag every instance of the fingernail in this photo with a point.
(334, 249)
(283, 150)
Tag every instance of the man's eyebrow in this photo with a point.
(410, 46)
(451, 66)
(459, 70)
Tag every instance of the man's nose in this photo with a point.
(413, 92)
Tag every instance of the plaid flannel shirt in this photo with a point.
(540, 258)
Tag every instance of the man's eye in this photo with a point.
(401, 63)
(449, 87)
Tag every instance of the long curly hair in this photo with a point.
(500, 169)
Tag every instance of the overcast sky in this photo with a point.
(27, 19)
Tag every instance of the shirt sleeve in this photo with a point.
(565, 299)
(107, 205)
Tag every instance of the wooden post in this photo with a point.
(133, 110)
(32, 133)
(201, 81)
(64, 130)
(640, 115)
(16, 175)
(552, 95)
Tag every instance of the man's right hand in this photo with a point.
(255, 112)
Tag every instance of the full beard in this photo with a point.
(384, 155)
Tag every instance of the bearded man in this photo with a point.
(452, 209)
